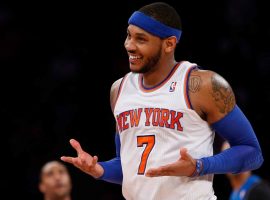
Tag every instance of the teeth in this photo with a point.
(134, 57)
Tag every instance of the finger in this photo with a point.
(77, 162)
(95, 159)
(76, 145)
(154, 172)
(151, 173)
(91, 162)
(183, 150)
(184, 154)
(67, 159)
(161, 171)
(83, 159)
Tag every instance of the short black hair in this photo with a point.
(163, 13)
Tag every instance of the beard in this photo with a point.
(150, 64)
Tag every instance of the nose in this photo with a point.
(129, 45)
(57, 176)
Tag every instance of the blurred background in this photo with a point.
(58, 61)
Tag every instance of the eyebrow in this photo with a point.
(137, 34)
(141, 34)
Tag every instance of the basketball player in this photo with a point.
(166, 114)
(55, 181)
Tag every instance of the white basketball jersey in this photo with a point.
(154, 123)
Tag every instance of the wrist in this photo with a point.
(198, 168)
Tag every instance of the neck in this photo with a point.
(239, 179)
(161, 71)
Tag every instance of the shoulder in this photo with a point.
(211, 95)
(207, 80)
(114, 92)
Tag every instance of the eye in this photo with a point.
(49, 174)
(141, 39)
(128, 35)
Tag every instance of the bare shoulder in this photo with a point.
(114, 91)
(211, 93)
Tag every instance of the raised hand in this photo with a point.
(84, 161)
(185, 166)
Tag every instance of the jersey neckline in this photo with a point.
(160, 84)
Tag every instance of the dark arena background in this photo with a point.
(58, 62)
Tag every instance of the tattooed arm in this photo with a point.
(213, 99)
(211, 95)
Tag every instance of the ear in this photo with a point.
(170, 44)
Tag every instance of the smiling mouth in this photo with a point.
(134, 59)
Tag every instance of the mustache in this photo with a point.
(131, 51)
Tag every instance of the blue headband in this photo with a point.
(153, 26)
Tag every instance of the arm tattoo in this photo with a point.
(222, 94)
(194, 83)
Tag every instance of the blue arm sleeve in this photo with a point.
(113, 168)
(245, 152)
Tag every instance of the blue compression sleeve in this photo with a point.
(245, 152)
(113, 168)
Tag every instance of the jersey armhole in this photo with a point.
(186, 86)
(120, 89)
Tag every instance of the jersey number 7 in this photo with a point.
(149, 141)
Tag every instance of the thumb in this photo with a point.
(184, 154)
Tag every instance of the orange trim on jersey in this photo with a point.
(120, 88)
(159, 85)
(187, 100)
